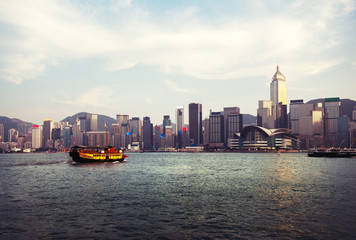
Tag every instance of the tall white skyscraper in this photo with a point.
(278, 90)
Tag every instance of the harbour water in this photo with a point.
(178, 196)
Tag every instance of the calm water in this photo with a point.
(178, 196)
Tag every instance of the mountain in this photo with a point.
(249, 119)
(15, 123)
(102, 119)
(347, 106)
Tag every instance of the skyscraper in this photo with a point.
(279, 99)
(264, 114)
(136, 131)
(122, 119)
(332, 113)
(166, 122)
(232, 122)
(179, 125)
(147, 134)
(2, 133)
(216, 130)
(36, 136)
(195, 123)
(47, 133)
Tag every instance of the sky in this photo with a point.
(145, 57)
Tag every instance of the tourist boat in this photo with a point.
(331, 152)
(84, 154)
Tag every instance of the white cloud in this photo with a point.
(176, 88)
(233, 47)
(100, 97)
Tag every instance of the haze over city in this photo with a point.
(144, 58)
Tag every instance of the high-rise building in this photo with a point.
(36, 136)
(216, 130)
(331, 114)
(168, 137)
(136, 131)
(166, 122)
(179, 125)
(306, 122)
(97, 138)
(278, 90)
(157, 137)
(13, 135)
(122, 119)
(343, 135)
(94, 122)
(67, 137)
(47, 133)
(195, 123)
(264, 114)
(147, 134)
(232, 122)
(116, 128)
(206, 131)
(2, 133)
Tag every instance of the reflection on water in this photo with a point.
(177, 196)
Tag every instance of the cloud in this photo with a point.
(100, 97)
(176, 88)
(124, 35)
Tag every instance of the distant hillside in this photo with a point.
(15, 123)
(102, 119)
(347, 106)
(249, 119)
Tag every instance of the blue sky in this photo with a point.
(144, 58)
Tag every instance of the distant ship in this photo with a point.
(331, 152)
(83, 154)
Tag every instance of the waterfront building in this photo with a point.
(157, 143)
(195, 123)
(342, 136)
(147, 134)
(94, 122)
(122, 119)
(264, 114)
(278, 92)
(352, 129)
(47, 133)
(306, 122)
(233, 123)
(67, 137)
(206, 131)
(166, 122)
(116, 132)
(179, 125)
(125, 139)
(185, 137)
(97, 138)
(136, 131)
(56, 134)
(216, 130)
(36, 136)
(2, 133)
(13, 135)
(168, 137)
(331, 115)
(260, 138)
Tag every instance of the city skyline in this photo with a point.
(144, 59)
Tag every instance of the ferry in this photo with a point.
(331, 152)
(84, 154)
